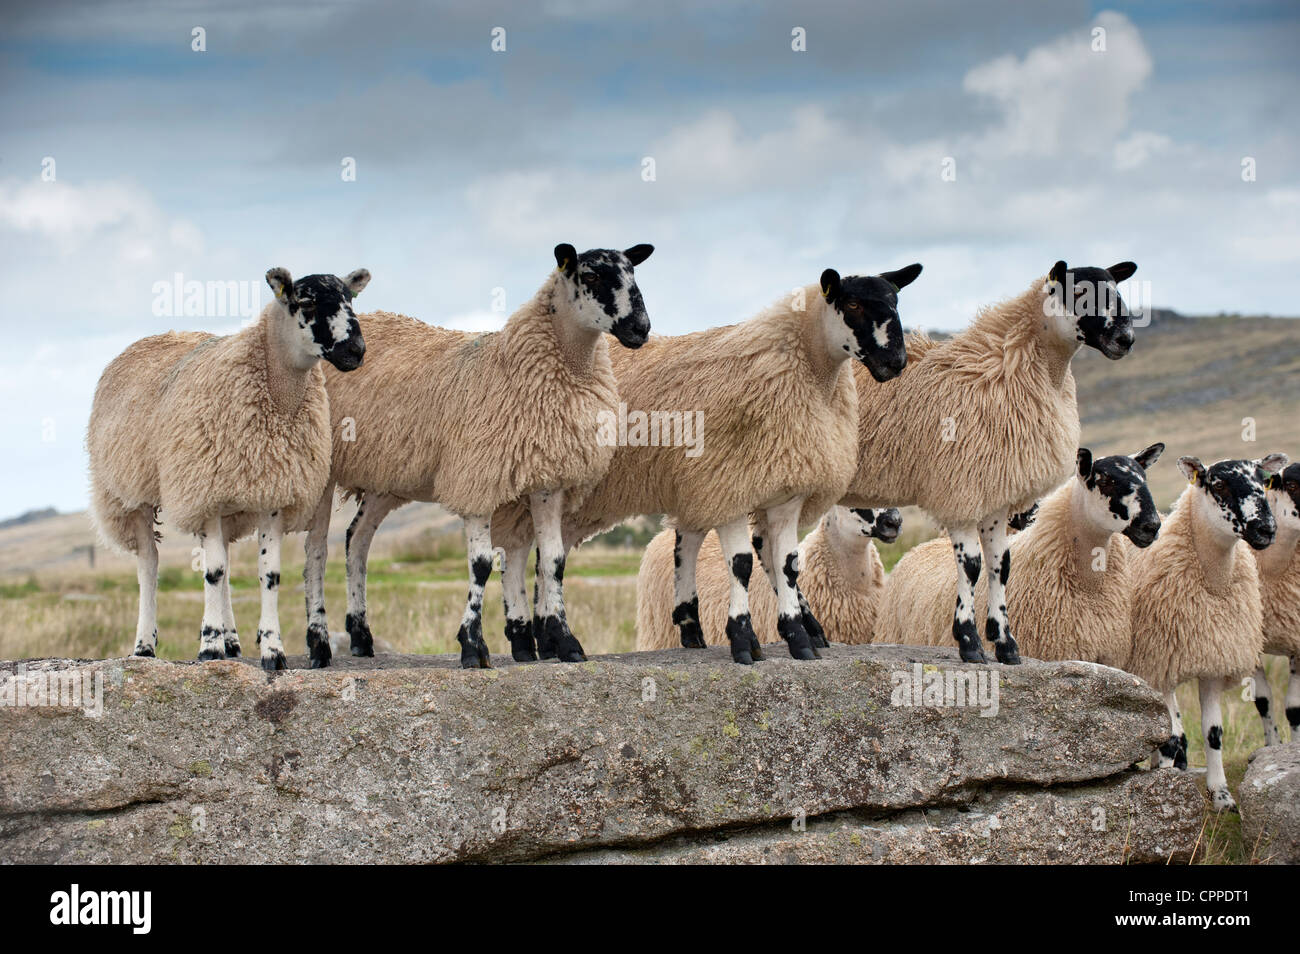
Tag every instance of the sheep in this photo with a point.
(985, 423)
(778, 406)
(476, 422)
(224, 435)
(840, 574)
(1196, 611)
(1071, 592)
(1279, 581)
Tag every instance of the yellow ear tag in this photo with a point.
(825, 293)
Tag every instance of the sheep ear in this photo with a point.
(903, 277)
(1149, 456)
(638, 253)
(566, 259)
(831, 285)
(1123, 271)
(1273, 463)
(357, 280)
(281, 283)
(1192, 469)
(1274, 482)
(1057, 274)
(1083, 459)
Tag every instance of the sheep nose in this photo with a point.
(1260, 533)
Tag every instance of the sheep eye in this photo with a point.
(589, 278)
(855, 305)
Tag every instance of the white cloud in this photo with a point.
(1137, 148)
(1064, 96)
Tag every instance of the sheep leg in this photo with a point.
(686, 601)
(816, 634)
(547, 507)
(734, 539)
(1293, 699)
(478, 548)
(514, 593)
(315, 553)
(212, 640)
(1174, 750)
(371, 511)
(997, 557)
(270, 533)
(228, 631)
(1263, 701)
(966, 548)
(146, 572)
(1211, 691)
(783, 522)
(545, 649)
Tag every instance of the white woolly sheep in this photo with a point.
(1279, 582)
(779, 412)
(985, 423)
(1196, 610)
(840, 574)
(1071, 591)
(224, 435)
(475, 422)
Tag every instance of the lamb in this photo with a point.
(1279, 581)
(840, 574)
(476, 422)
(1071, 593)
(1196, 611)
(777, 399)
(224, 435)
(985, 423)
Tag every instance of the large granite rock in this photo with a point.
(407, 758)
(1269, 799)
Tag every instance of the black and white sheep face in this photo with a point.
(884, 524)
(1283, 490)
(1118, 499)
(1088, 308)
(321, 305)
(869, 328)
(1232, 497)
(603, 291)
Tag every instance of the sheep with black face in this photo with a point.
(476, 422)
(224, 435)
(1196, 610)
(1071, 593)
(1279, 580)
(780, 414)
(985, 423)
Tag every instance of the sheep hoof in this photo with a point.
(472, 657)
(1222, 801)
(972, 653)
(792, 631)
(569, 650)
(1008, 653)
(816, 635)
(207, 655)
(232, 646)
(274, 660)
(318, 646)
(692, 635)
(144, 652)
(755, 650)
(523, 654)
(522, 646)
(362, 643)
(741, 656)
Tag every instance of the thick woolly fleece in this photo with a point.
(1280, 596)
(1181, 628)
(185, 421)
(473, 421)
(841, 587)
(779, 419)
(1006, 385)
(1061, 609)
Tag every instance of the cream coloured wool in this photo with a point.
(223, 435)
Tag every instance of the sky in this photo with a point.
(449, 147)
